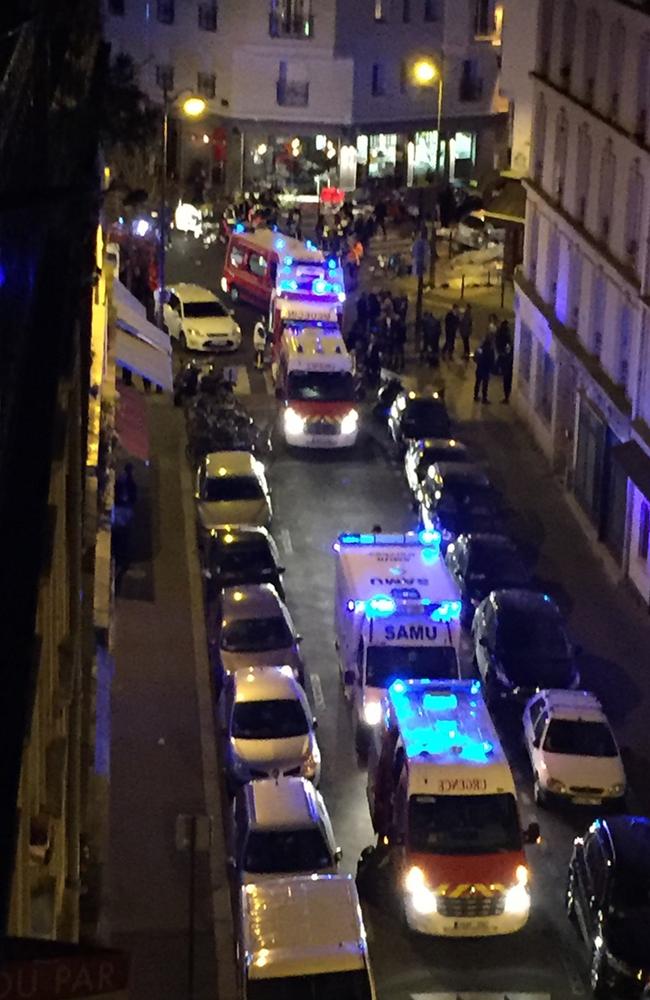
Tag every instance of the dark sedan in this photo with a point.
(480, 563)
(416, 415)
(456, 498)
(240, 555)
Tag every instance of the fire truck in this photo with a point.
(443, 803)
(397, 611)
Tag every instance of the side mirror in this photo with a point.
(298, 640)
(338, 853)
(532, 834)
(349, 678)
(314, 723)
(282, 569)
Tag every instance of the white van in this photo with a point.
(303, 936)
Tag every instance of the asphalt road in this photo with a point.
(315, 497)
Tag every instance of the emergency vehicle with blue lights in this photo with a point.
(313, 377)
(306, 291)
(442, 799)
(397, 614)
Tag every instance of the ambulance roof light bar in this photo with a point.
(425, 538)
(432, 724)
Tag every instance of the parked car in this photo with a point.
(270, 730)
(520, 641)
(457, 498)
(573, 751)
(422, 455)
(416, 415)
(480, 563)
(197, 319)
(240, 554)
(257, 631)
(608, 897)
(477, 232)
(281, 827)
(231, 488)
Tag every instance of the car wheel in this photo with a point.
(539, 794)
(182, 340)
(598, 976)
(234, 294)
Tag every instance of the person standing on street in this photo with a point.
(380, 217)
(452, 322)
(362, 311)
(465, 329)
(505, 357)
(399, 342)
(484, 358)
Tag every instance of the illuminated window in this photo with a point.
(381, 10)
(291, 19)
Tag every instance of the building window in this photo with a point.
(525, 353)
(644, 531)
(165, 77)
(575, 287)
(165, 11)
(482, 26)
(208, 16)
(616, 63)
(431, 11)
(592, 46)
(552, 266)
(378, 85)
(545, 384)
(291, 19)
(206, 84)
(539, 139)
(532, 244)
(381, 10)
(471, 85)
(590, 450)
(116, 7)
(559, 159)
(598, 297)
(292, 89)
(623, 347)
(633, 213)
(642, 88)
(567, 51)
(606, 190)
(406, 11)
(545, 35)
(583, 168)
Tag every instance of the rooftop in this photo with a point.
(264, 684)
(284, 802)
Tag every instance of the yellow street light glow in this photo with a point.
(193, 106)
(424, 72)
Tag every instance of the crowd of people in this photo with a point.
(378, 336)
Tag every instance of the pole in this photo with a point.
(162, 222)
(418, 310)
(439, 123)
(191, 909)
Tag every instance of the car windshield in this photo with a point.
(204, 310)
(532, 634)
(243, 556)
(272, 851)
(255, 635)
(351, 985)
(274, 719)
(231, 488)
(462, 497)
(322, 387)
(582, 739)
(463, 824)
(495, 563)
(385, 664)
(425, 418)
(432, 455)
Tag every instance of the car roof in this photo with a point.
(192, 293)
(630, 838)
(250, 600)
(235, 463)
(577, 705)
(264, 683)
(285, 802)
(233, 534)
(462, 472)
(522, 599)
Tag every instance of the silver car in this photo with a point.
(257, 630)
(269, 727)
(231, 488)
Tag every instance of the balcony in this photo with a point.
(291, 94)
(287, 26)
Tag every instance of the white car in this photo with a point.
(573, 752)
(197, 319)
(269, 727)
(476, 232)
(231, 488)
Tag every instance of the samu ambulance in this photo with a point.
(314, 381)
(397, 611)
(442, 798)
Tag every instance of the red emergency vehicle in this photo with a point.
(253, 261)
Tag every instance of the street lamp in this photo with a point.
(192, 107)
(425, 73)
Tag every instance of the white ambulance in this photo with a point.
(303, 936)
(397, 615)
(314, 380)
(443, 803)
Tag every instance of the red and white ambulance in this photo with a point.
(254, 262)
(442, 797)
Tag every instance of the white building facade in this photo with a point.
(582, 304)
(330, 73)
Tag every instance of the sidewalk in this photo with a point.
(163, 761)
(612, 629)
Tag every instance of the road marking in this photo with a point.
(317, 692)
(285, 541)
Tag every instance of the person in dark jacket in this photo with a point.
(484, 358)
(399, 343)
(362, 310)
(505, 359)
(465, 329)
(374, 309)
(431, 333)
(380, 217)
(452, 322)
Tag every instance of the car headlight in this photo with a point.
(517, 901)
(237, 330)
(423, 899)
(372, 713)
(349, 422)
(293, 422)
(555, 785)
(618, 789)
(191, 332)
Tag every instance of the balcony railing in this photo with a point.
(291, 94)
(281, 26)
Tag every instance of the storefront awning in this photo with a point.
(139, 345)
(635, 463)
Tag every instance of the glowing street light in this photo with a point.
(193, 106)
(424, 73)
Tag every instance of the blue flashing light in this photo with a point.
(426, 601)
(310, 245)
(475, 687)
(341, 296)
(399, 687)
(350, 539)
(239, 228)
(440, 703)
(447, 611)
(350, 605)
(381, 606)
(331, 264)
(288, 261)
(288, 285)
(319, 287)
(429, 556)
(488, 747)
(427, 537)
(367, 539)
(280, 244)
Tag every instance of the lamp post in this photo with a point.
(425, 72)
(192, 107)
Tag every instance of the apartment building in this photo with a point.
(582, 346)
(324, 82)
